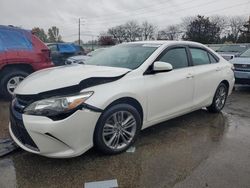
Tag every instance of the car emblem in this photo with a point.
(245, 66)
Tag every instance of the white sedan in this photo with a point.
(64, 111)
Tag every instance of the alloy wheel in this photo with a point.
(119, 130)
(221, 96)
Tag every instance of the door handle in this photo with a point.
(189, 75)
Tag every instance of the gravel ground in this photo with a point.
(4, 117)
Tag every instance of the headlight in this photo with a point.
(57, 105)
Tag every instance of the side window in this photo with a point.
(15, 40)
(199, 56)
(212, 59)
(177, 57)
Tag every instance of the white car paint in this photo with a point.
(54, 78)
(162, 96)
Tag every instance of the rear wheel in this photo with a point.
(219, 99)
(117, 129)
(10, 79)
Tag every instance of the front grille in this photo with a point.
(242, 67)
(19, 107)
(25, 100)
(18, 129)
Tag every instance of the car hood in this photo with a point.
(65, 76)
(240, 60)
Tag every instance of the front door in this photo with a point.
(170, 93)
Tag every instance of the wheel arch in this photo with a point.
(128, 100)
(20, 66)
(123, 100)
(226, 83)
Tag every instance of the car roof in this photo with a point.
(51, 43)
(161, 42)
(10, 27)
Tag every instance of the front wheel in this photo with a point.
(117, 129)
(219, 99)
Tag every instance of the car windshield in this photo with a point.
(232, 48)
(246, 53)
(124, 55)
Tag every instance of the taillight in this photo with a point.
(46, 55)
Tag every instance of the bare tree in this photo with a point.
(172, 32)
(221, 22)
(133, 31)
(118, 33)
(236, 25)
(186, 22)
(148, 30)
(105, 39)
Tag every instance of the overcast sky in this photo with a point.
(98, 15)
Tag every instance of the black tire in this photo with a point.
(98, 134)
(214, 107)
(7, 75)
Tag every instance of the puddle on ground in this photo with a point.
(165, 154)
(7, 146)
(196, 150)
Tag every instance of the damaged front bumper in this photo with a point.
(64, 138)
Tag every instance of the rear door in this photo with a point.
(170, 93)
(207, 72)
(2, 52)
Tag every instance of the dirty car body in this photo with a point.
(242, 68)
(107, 101)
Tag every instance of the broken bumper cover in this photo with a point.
(69, 137)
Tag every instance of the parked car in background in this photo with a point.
(21, 53)
(214, 47)
(232, 50)
(80, 59)
(242, 68)
(63, 112)
(61, 51)
(79, 50)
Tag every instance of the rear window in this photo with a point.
(199, 56)
(15, 40)
(246, 53)
(66, 48)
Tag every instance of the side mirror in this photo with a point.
(160, 66)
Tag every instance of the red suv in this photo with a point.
(21, 53)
